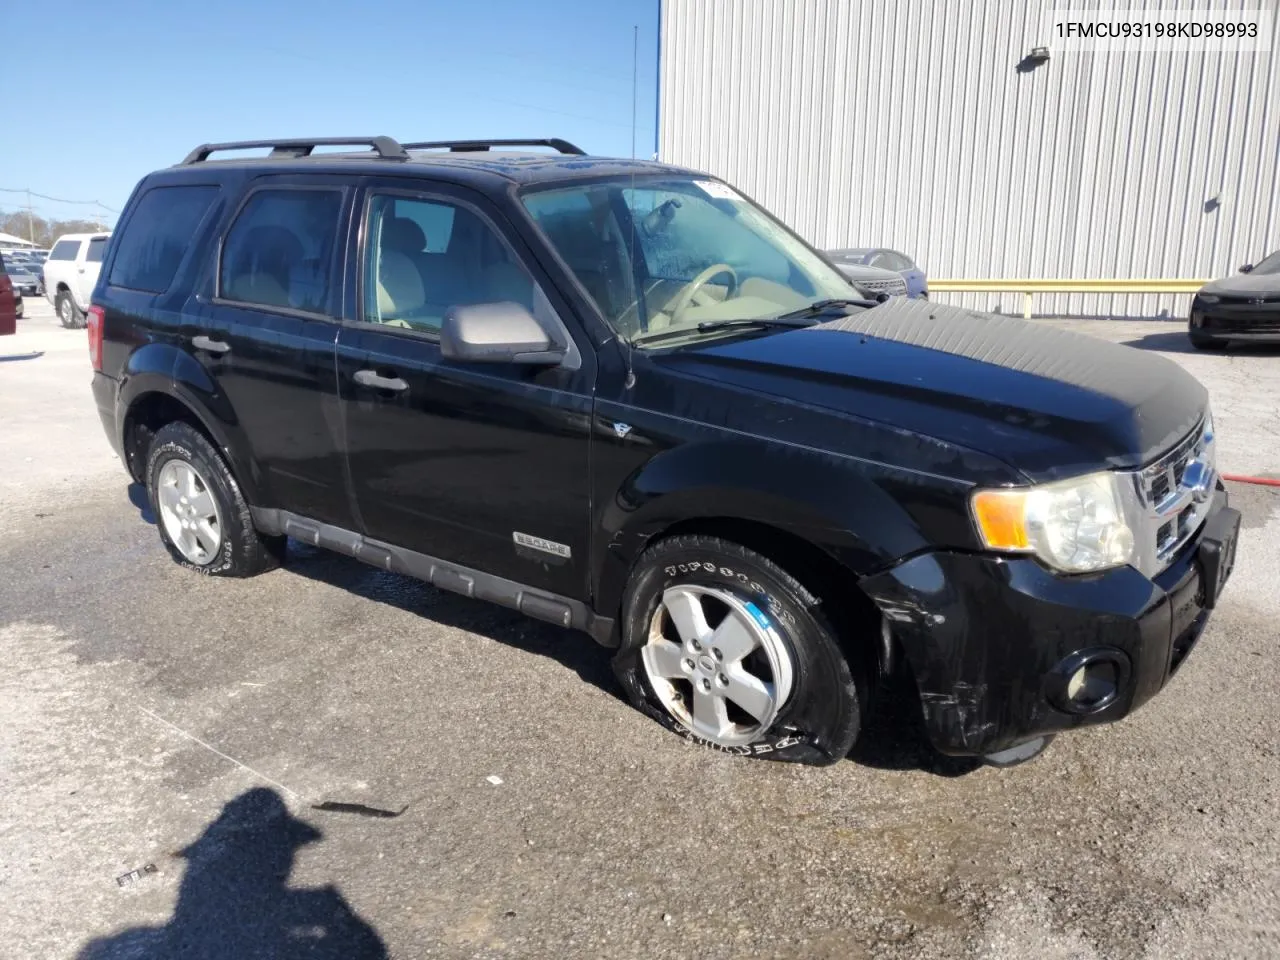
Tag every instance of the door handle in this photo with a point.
(212, 346)
(80, 270)
(370, 378)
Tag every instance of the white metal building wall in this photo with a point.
(905, 124)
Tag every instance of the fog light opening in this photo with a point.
(1093, 684)
(1089, 681)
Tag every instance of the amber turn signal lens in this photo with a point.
(1001, 518)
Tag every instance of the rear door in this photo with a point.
(88, 266)
(264, 325)
(484, 465)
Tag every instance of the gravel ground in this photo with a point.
(306, 764)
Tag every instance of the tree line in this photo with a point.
(41, 231)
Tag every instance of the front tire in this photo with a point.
(203, 518)
(724, 647)
(69, 314)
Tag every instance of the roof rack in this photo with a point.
(480, 146)
(385, 147)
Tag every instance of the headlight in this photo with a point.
(1208, 297)
(1074, 525)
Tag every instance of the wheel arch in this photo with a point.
(857, 620)
(150, 398)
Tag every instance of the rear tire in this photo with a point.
(792, 697)
(68, 313)
(203, 518)
(1201, 342)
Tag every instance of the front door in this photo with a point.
(483, 465)
(265, 327)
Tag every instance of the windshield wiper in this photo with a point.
(706, 326)
(804, 317)
(820, 307)
(710, 326)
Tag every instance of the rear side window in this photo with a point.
(65, 250)
(97, 248)
(279, 250)
(156, 237)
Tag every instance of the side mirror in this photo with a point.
(1246, 268)
(501, 332)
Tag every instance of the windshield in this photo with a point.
(1270, 264)
(660, 257)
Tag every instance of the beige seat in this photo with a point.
(400, 291)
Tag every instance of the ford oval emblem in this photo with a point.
(1197, 479)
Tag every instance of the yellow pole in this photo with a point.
(1026, 305)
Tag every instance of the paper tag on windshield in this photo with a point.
(718, 190)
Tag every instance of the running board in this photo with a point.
(538, 604)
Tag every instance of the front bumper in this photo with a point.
(1242, 320)
(990, 639)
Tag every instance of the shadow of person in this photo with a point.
(234, 902)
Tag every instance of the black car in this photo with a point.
(620, 397)
(1245, 307)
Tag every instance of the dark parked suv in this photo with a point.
(620, 397)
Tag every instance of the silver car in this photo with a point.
(870, 281)
(25, 274)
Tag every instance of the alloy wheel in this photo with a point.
(189, 512)
(717, 663)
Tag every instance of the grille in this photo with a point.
(1251, 301)
(1174, 510)
(883, 286)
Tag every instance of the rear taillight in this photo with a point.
(97, 319)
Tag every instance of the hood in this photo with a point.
(1048, 402)
(1245, 285)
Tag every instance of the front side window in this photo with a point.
(279, 251)
(65, 250)
(97, 247)
(663, 256)
(157, 236)
(424, 256)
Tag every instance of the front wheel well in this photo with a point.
(146, 416)
(857, 620)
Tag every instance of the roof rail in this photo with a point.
(479, 146)
(384, 147)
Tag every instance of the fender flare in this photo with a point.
(159, 368)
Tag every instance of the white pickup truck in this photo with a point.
(71, 272)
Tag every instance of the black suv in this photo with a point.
(620, 397)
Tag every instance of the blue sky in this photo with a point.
(120, 89)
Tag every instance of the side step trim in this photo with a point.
(538, 604)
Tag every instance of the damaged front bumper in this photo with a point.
(1004, 650)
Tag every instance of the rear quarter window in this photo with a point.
(65, 250)
(157, 235)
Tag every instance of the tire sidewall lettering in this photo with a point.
(172, 450)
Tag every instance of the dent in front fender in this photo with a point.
(856, 516)
(981, 635)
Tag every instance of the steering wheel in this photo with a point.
(691, 289)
